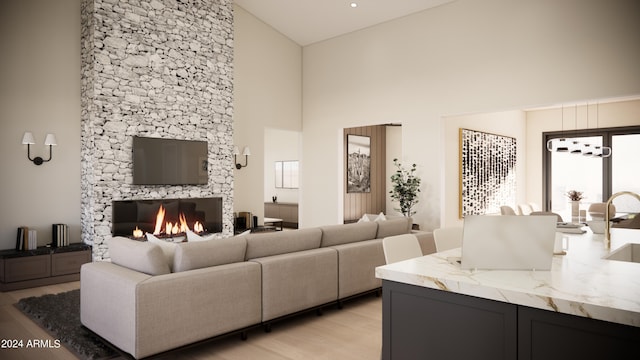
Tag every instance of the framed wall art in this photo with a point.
(487, 172)
(358, 164)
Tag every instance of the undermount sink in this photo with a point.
(628, 252)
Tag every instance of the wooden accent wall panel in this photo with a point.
(357, 204)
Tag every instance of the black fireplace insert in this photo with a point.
(129, 215)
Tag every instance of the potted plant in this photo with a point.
(406, 186)
(575, 197)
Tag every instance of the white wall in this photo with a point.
(267, 94)
(464, 57)
(279, 145)
(39, 92)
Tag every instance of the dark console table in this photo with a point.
(288, 212)
(42, 266)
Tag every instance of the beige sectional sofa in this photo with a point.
(152, 298)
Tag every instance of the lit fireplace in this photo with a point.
(166, 217)
(171, 228)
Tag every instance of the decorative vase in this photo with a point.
(274, 199)
(575, 211)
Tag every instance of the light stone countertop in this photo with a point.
(579, 283)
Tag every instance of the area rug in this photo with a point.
(59, 315)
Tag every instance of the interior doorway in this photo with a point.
(282, 170)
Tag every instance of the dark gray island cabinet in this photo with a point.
(585, 307)
(425, 323)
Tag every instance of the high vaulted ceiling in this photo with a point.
(310, 21)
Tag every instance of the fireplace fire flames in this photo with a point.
(170, 219)
(169, 228)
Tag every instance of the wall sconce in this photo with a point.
(246, 152)
(28, 139)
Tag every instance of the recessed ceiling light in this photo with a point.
(354, 5)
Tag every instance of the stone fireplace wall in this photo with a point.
(157, 68)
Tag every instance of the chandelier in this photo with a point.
(575, 147)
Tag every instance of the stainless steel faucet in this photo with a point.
(607, 223)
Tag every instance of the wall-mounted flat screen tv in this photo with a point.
(159, 161)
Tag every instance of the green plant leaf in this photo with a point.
(406, 186)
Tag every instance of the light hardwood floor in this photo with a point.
(351, 333)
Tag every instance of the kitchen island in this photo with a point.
(585, 307)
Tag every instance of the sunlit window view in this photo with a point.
(287, 174)
(575, 165)
(576, 171)
(623, 176)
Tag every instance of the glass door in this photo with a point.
(575, 169)
(625, 173)
(597, 177)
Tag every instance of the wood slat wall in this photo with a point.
(357, 204)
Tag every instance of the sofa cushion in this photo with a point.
(201, 254)
(373, 217)
(397, 226)
(348, 233)
(168, 248)
(141, 256)
(356, 266)
(297, 281)
(282, 242)
(193, 237)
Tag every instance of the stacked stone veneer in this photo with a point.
(158, 68)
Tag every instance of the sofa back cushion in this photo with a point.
(282, 242)
(168, 248)
(348, 233)
(201, 254)
(141, 256)
(373, 217)
(397, 226)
